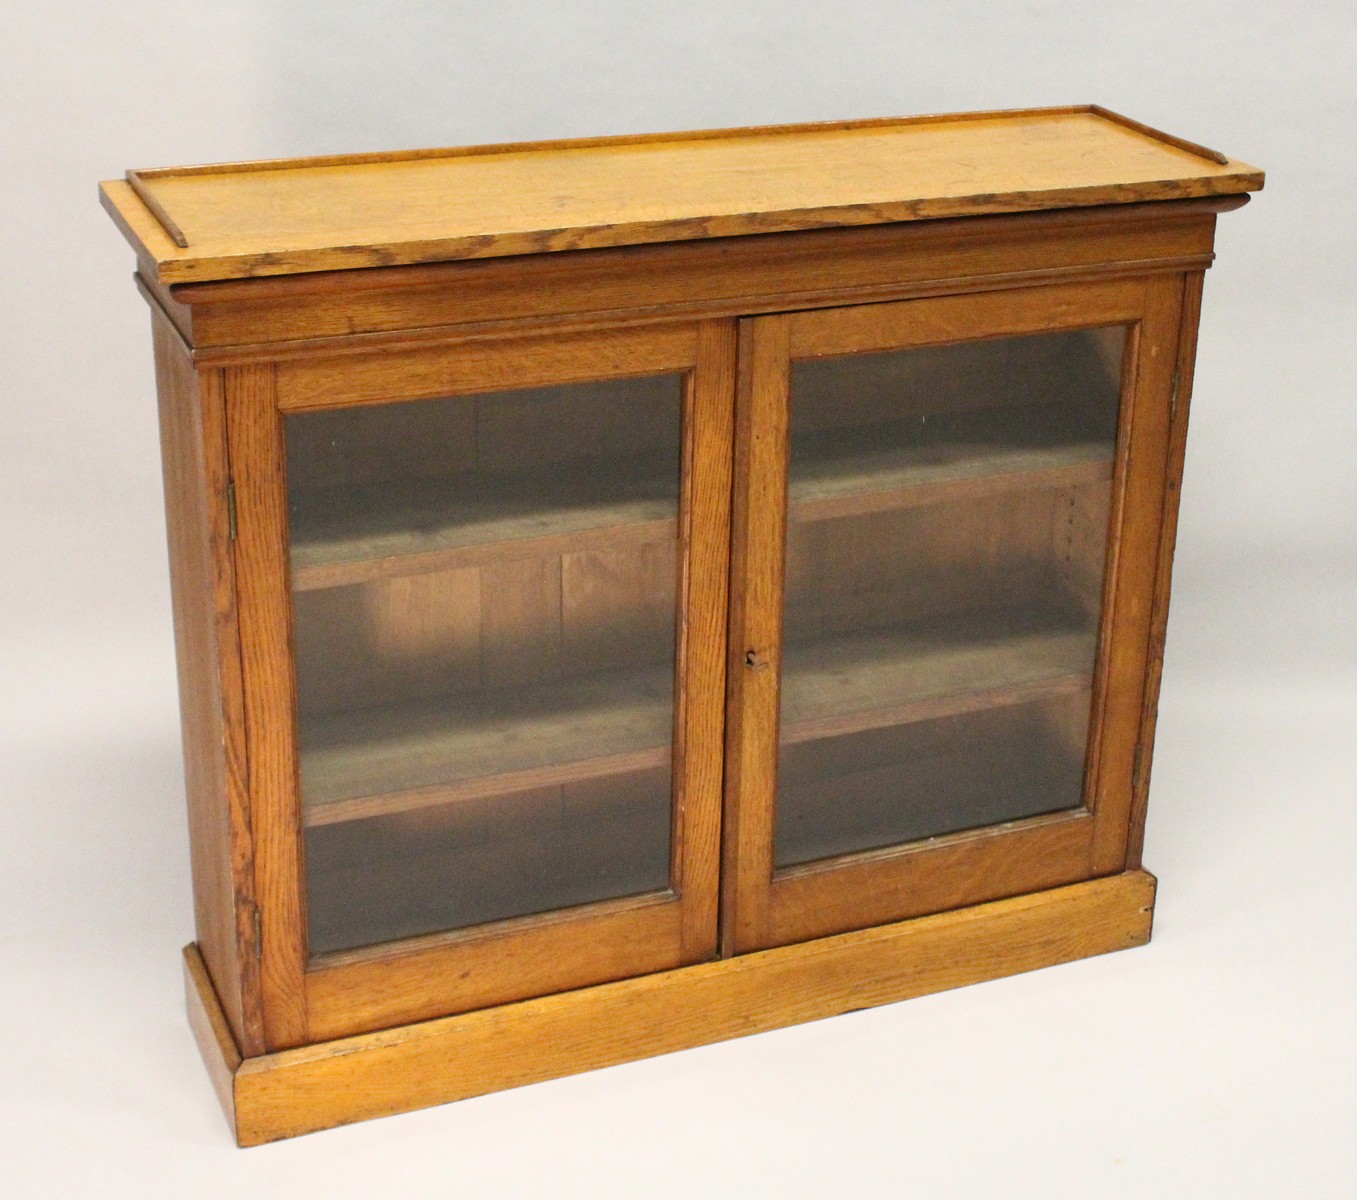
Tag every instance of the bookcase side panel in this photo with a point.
(192, 429)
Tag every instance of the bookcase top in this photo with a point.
(288, 216)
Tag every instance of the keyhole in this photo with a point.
(755, 661)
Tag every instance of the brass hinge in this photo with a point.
(231, 508)
(258, 924)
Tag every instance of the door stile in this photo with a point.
(1133, 561)
(755, 648)
(704, 548)
(255, 432)
(216, 460)
(1182, 396)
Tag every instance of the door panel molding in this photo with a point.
(763, 907)
(418, 978)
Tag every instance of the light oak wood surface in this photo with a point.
(202, 588)
(241, 220)
(1133, 564)
(316, 1087)
(754, 667)
(255, 444)
(297, 316)
(1177, 450)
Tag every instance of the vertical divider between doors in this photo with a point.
(759, 519)
(254, 426)
(704, 538)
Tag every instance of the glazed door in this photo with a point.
(946, 536)
(483, 614)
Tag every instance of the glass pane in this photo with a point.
(484, 593)
(945, 550)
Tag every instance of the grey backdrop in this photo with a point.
(1219, 1061)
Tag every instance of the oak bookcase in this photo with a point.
(635, 592)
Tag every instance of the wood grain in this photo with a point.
(501, 961)
(871, 235)
(754, 669)
(1079, 537)
(261, 571)
(618, 605)
(495, 364)
(579, 728)
(890, 465)
(863, 680)
(360, 311)
(365, 762)
(1133, 558)
(282, 219)
(949, 319)
(298, 1091)
(435, 524)
(891, 570)
(1186, 363)
(389, 641)
(700, 707)
(857, 891)
(520, 603)
(193, 454)
(211, 1031)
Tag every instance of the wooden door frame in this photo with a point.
(424, 977)
(762, 907)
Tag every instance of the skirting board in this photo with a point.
(377, 1074)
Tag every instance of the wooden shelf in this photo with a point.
(350, 535)
(353, 535)
(374, 761)
(378, 761)
(958, 664)
(862, 469)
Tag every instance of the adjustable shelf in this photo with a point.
(369, 763)
(353, 535)
(942, 667)
(947, 456)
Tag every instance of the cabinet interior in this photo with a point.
(948, 623)
(485, 598)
